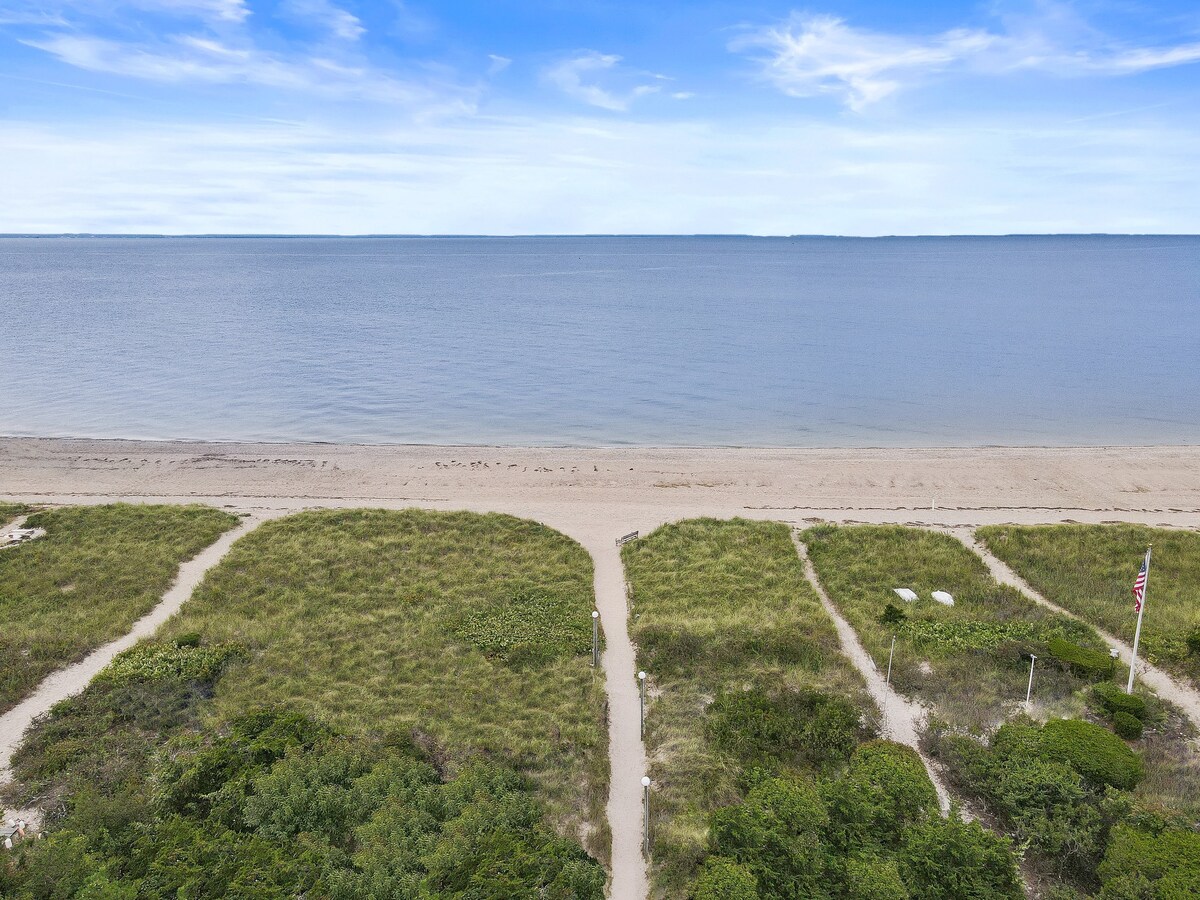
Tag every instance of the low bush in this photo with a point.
(1161, 861)
(1127, 726)
(892, 615)
(968, 634)
(948, 859)
(153, 661)
(1094, 752)
(789, 729)
(1114, 700)
(1193, 642)
(883, 791)
(1082, 661)
(529, 628)
(723, 879)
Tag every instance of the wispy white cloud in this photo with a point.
(339, 22)
(809, 55)
(224, 10)
(497, 64)
(195, 58)
(577, 77)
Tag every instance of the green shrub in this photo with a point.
(1094, 752)
(1127, 726)
(1165, 862)
(892, 615)
(874, 879)
(530, 628)
(1082, 661)
(152, 661)
(1193, 642)
(776, 835)
(948, 859)
(884, 790)
(793, 728)
(191, 639)
(1114, 700)
(969, 634)
(723, 879)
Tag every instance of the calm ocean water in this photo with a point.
(605, 341)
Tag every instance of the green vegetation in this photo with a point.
(1089, 569)
(976, 653)
(422, 624)
(95, 572)
(9, 511)
(745, 671)
(1151, 859)
(271, 805)
(869, 831)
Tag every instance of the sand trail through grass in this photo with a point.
(902, 717)
(74, 678)
(1173, 690)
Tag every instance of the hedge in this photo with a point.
(1094, 752)
(1081, 660)
(1115, 700)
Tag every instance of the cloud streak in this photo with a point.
(812, 55)
(577, 77)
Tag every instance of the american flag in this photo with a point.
(1139, 584)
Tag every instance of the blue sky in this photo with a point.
(549, 116)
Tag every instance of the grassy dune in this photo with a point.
(96, 571)
(717, 607)
(975, 673)
(471, 632)
(9, 511)
(1089, 569)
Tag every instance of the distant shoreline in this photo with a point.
(776, 237)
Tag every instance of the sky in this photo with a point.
(599, 116)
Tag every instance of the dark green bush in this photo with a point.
(723, 879)
(191, 639)
(1114, 700)
(776, 835)
(892, 615)
(1081, 660)
(1127, 726)
(1162, 861)
(948, 859)
(884, 790)
(1094, 752)
(873, 878)
(792, 728)
(1193, 642)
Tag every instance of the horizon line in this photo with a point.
(466, 235)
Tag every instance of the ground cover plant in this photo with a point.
(95, 572)
(152, 800)
(970, 661)
(9, 511)
(746, 673)
(472, 633)
(1089, 570)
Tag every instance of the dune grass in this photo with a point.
(1089, 569)
(719, 607)
(414, 622)
(974, 672)
(96, 571)
(9, 511)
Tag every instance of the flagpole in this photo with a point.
(1137, 633)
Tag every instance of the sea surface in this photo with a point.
(670, 341)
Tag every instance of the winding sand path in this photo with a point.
(74, 678)
(1185, 697)
(902, 717)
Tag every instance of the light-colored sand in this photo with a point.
(594, 495)
(902, 717)
(1186, 697)
(74, 678)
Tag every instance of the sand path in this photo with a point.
(74, 678)
(1185, 697)
(902, 717)
(627, 753)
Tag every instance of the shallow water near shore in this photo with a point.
(802, 342)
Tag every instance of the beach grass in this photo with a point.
(96, 571)
(718, 607)
(1089, 570)
(968, 661)
(9, 511)
(471, 633)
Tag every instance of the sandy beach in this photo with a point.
(627, 487)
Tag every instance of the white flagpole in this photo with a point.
(1137, 633)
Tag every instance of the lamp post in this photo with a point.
(595, 638)
(1029, 689)
(646, 814)
(642, 703)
